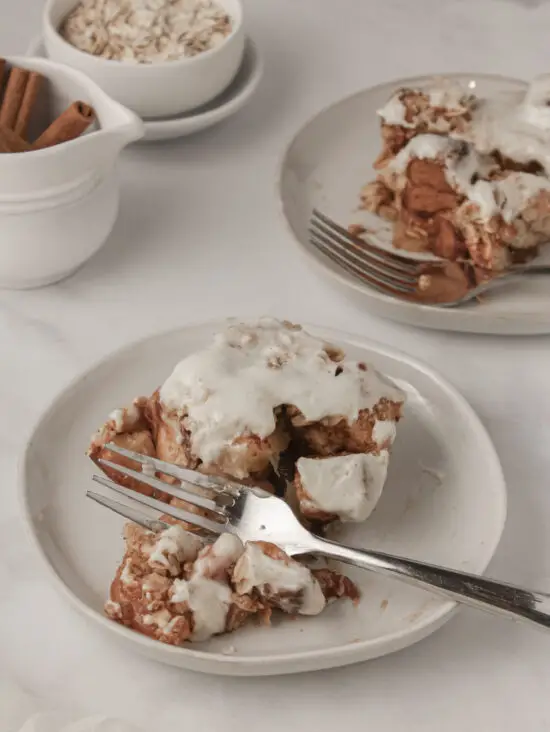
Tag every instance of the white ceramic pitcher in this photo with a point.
(58, 205)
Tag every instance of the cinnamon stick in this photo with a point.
(13, 96)
(68, 126)
(27, 104)
(10, 142)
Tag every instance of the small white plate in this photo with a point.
(330, 160)
(226, 104)
(444, 502)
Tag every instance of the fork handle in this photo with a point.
(485, 594)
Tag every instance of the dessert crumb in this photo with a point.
(356, 229)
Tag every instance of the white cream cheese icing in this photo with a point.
(348, 486)
(507, 196)
(125, 418)
(384, 432)
(448, 94)
(207, 592)
(393, 112)
(233, 387)
(215, 559)
(209, 601)
(516, 124)
(514, 192)
(174, 545)
(442, 93)
(296, 586)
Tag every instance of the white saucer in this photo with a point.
(226, 104)
(330, 160)
(444, 503)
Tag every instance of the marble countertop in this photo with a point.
(199, 236)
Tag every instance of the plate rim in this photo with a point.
(518, 323)
(296, 662)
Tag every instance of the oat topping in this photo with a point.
(146, 31)
(233, 388)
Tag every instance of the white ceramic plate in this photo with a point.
(226, 104)
(444, 502)
(326, 165)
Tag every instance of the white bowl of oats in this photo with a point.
(160, 58)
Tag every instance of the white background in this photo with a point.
(199, 236)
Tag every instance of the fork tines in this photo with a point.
(211, 482)
(200, 491)
(131, 510)
(389, 273)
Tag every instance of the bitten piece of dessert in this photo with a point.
(171, 588)
(464, 178)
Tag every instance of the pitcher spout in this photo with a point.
(91, 156)
(125, 129)
(115, 128)
(118, 126)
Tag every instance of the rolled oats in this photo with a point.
(146, 31)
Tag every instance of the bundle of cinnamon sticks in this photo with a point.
(21, 93)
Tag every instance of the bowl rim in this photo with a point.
(49, 28)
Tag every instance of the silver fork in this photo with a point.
(254, 515)
(390, 273)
